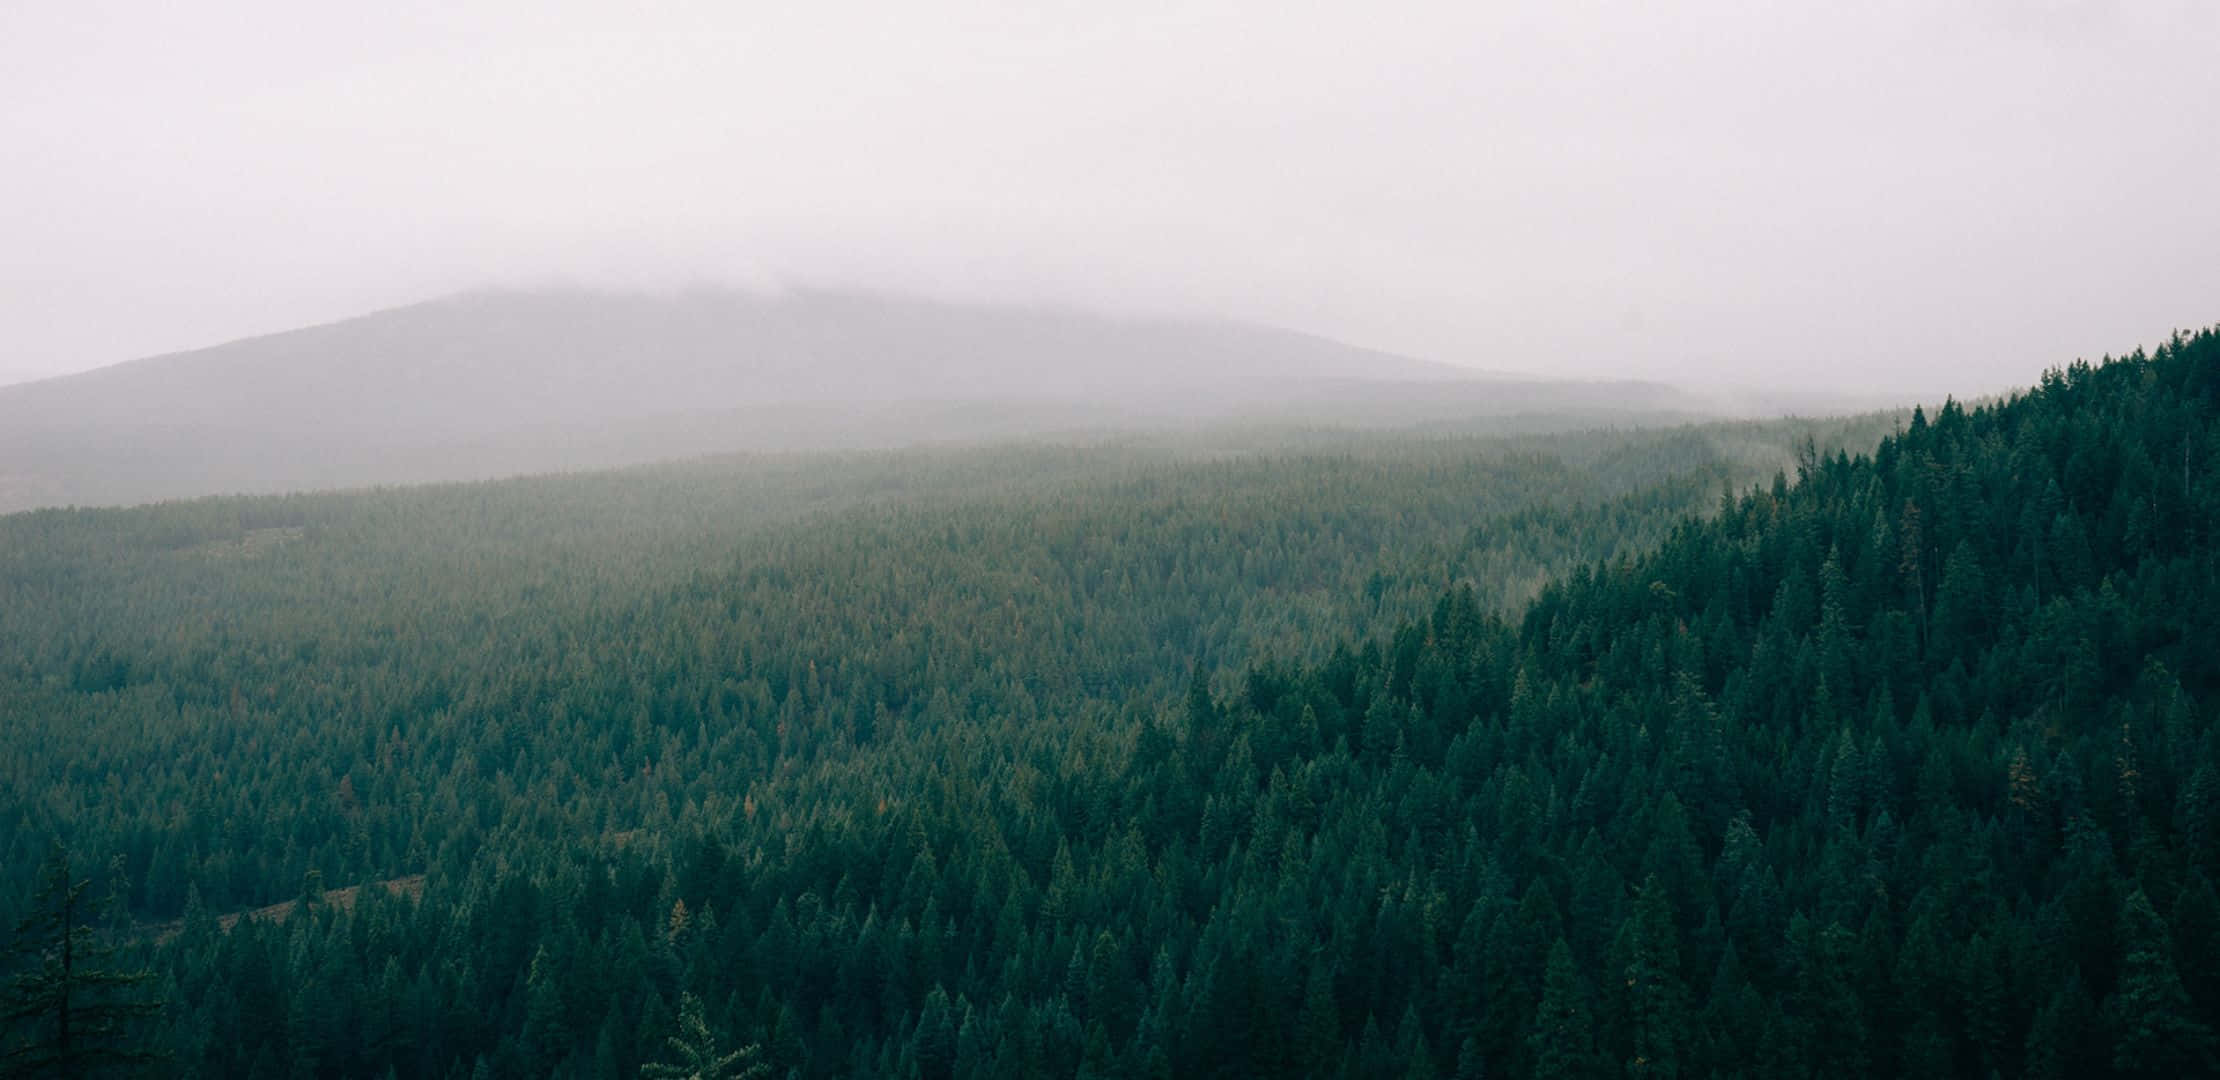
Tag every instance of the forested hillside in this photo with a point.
(825, 592)
(997, 764)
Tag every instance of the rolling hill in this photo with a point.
(509, 382)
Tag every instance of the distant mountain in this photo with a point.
(493, 383)
(9, 375)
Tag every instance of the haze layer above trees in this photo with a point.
(504, 383)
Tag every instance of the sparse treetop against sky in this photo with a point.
(1808, 194)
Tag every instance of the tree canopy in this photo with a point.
(1404, 757)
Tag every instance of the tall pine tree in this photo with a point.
(70, 1010)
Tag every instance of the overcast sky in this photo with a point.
(1880, 196)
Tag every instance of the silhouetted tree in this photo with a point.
(70, 1009)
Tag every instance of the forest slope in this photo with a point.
(243, 696)
(1902, 767)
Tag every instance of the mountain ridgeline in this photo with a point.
(505, 383)
(1902, 764)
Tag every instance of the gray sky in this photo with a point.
(1877, 196)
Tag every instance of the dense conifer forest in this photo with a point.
(1874, 747)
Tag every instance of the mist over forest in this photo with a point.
(925, 541)
(499, 383)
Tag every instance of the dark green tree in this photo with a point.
(694, 1055)
(70, 1009)
(1656, 999)
(1563, 1037)
(2156, 1031)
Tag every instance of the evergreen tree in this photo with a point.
(2157, 1032)
(2064, 1040)
(694, 1054)
(1318, 1027)
(70, 1010)
(1657, 1003)
(1563, 1037)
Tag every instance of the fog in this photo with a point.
(1884, 198)
(506, 382)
